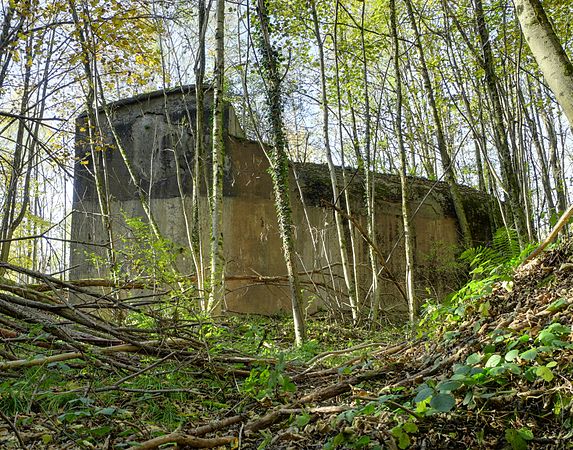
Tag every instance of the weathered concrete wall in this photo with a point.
(154, 130)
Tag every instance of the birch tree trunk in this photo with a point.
(365, 162)
(408, 241)
(447, 163)
(217, 290)
(351, 228)
(279, 166)
(548, 52)
(97, 156)
(508, 169)
(346, 270)
(194, 238)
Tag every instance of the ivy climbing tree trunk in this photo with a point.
(279, 165)
(217, 288)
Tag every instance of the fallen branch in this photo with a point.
(184, 440)
(554, 232)
(217, 425)
(127, 348)
(314, 397)
(387, 351)
(322, 356)
(14, 429)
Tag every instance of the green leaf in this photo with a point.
(529, 355)
(515, 440)
(461, 369)
(338, 439)
(369, 409)
(473, 359)
(496, 371)
(513, 368)
(460, 377)
(493, 361)
(529, 374)
(449, 386)
(404, 441)
(557, 305)
(469, 398)
(526, 433)
(101, 431)
(511, 355)
(546, 337)
(107, 411)
(443, 402)
(559, 329)
(545, 373)
(362, 442)
(410, 427)
(302, 420)
(490, 348)
(423, 395)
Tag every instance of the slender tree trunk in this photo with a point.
(279, 166)
(551, 58)
(331, 169)
(548, 52)
(554, 160)
(351, 230)
(369, 183)
(133, 178)
(198, 157)
(508, 170)
(20, 169)
(217, 292)
(447, 163)
(541, 156)
(97, 156)
(408, 240)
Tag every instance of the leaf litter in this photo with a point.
(491, 372)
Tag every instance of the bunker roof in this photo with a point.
(188, 89)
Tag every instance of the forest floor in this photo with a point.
(490, 368)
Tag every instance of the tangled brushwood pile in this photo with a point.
(493, 369)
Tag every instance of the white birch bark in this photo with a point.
(548, 52)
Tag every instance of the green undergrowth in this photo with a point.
(503, 359)
(91, 402)
(272, 337)
(73, 391)
(489, 266)
(500, 352)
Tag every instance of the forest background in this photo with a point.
(432, 89)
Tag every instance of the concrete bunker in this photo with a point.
(151, 126)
